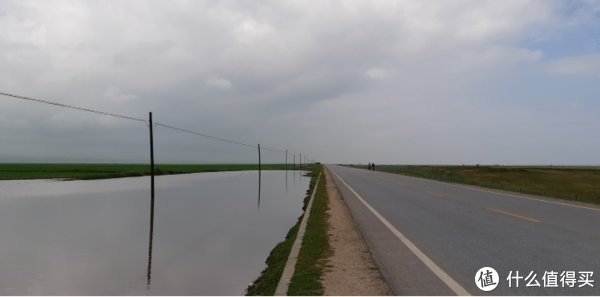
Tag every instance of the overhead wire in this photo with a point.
(139, 120)
(74, 107)
(204, 135)
(216, 137)
(273, 149)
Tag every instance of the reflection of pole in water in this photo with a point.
(286, 171)
(286, 182)
(151, 236)
(259, 184)
(259, 177)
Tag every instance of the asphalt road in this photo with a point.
(431, 238)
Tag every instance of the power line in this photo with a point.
(216, 137)
(272, 149)
(73, 107)
(139, 120)
(204, 135)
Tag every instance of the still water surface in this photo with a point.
(212, 233)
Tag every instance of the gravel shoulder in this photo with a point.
(350, 270)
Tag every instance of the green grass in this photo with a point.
(569, 183)
(308, 284)
(100, 171)
(267, 282)
(315, 248)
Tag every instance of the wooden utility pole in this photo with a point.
(151, 231)
(258, 158)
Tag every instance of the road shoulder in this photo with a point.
(351, 269)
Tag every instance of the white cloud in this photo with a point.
(26, 32)
(278, 62)
(252, 31)
(376, 73)
(575, 66)
(219, 83)
(116, 95)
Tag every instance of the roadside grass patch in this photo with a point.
(315, 248)
(266, 283)
(577, 183)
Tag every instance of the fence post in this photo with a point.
(151, 161)
(259, 158)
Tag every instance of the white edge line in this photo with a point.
(439, 272)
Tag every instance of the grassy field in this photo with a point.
(569, 183)
(100, 171)
(315, 246)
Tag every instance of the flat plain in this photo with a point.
(70, 171)
(576, 183)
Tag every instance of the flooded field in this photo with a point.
(212, 233)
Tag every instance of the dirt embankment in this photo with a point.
(350, 270)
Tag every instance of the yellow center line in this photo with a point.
(516, 216)
(434, 194)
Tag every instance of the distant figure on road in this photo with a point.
(373, 166)
(369, 166)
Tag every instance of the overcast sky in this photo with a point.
(403, 82)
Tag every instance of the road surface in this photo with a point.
(431, 238)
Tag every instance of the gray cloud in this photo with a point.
(383, 81)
